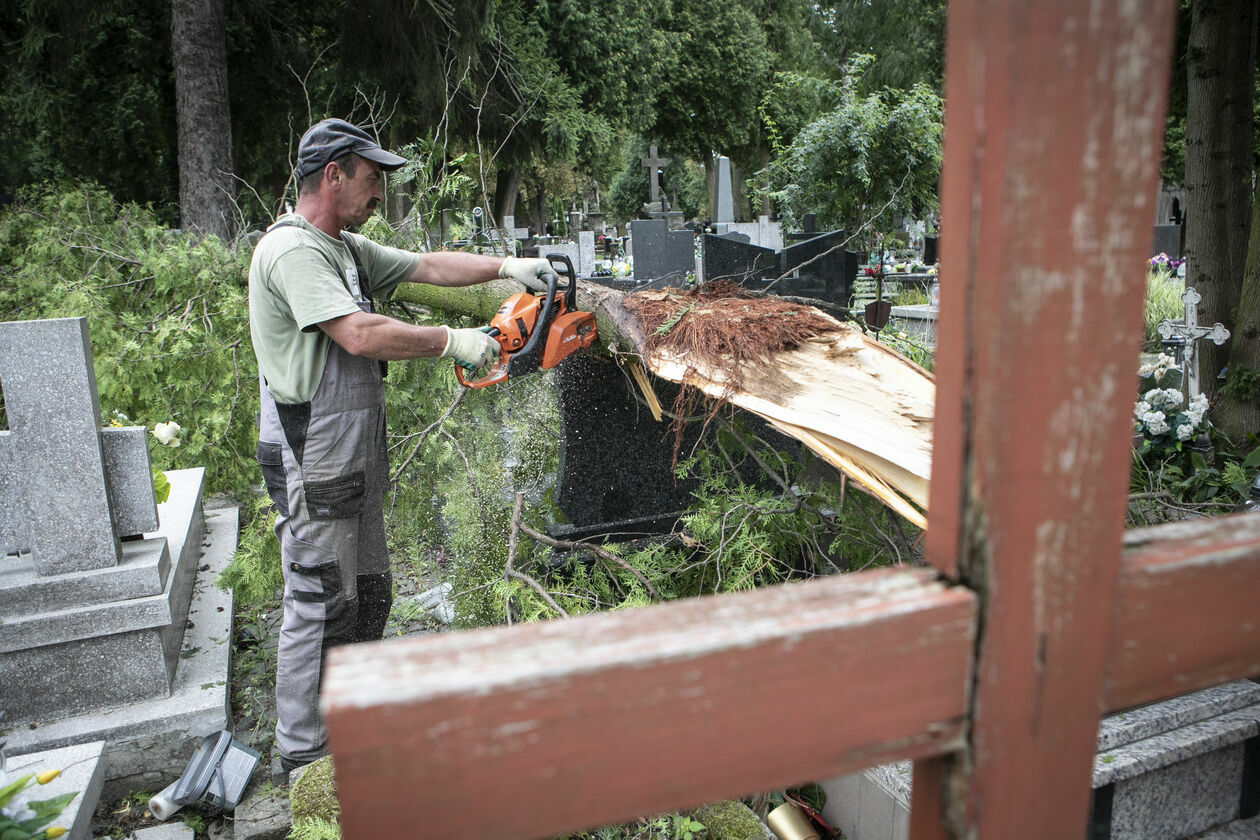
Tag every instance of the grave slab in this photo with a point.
(1167, 771)
(149, 741)
(82, 772)
(166, 831)
(727, 259)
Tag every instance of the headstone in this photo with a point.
(574, 222)
(660, 254)
(821, 268)
(1167, 239)
(749, 265)
(723, 198)
(76, 600)
(931, 245)
(585, 265)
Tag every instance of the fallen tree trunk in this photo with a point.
(862, 407)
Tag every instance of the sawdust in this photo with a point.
(722, 328)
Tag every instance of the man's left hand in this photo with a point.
(530, 272)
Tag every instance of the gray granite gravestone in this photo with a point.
(585, 265)
(75, 598)
(661, 254)
(723, 198)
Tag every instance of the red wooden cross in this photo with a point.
(990, 669)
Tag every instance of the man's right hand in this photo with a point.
(469, 347)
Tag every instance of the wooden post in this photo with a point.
(1052, 144)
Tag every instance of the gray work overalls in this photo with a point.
(326, 468)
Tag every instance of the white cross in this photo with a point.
(1192, 333)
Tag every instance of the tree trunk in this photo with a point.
(507, 186)
(1220, 69)
(1238, 403)
(207, 187)
(860, 406)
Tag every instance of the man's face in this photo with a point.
(360, 194)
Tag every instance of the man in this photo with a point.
(321, 442)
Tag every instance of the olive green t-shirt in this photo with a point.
(299, 278)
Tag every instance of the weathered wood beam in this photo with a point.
(1187, 610)
(552, 727)
(1052, 146)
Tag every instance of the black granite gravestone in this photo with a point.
(729, 259)
(661, 254)
(1167, 239)
(821, 268)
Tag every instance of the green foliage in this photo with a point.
(912, 347)
(907, 36)
(694, 115)
(254, 574)
(1162, 301)
(167, 315)
(1242, 383)
(869, 160)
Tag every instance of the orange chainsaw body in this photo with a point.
(537, 331)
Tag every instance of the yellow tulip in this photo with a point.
(55, 831)
(47, 776)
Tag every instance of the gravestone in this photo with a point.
(585, 265)
(76, 599)
(1168, 239)
(820, 268)
(931, 246)
(725, 258)
(661, 255)
(655, 165)
(723, 196)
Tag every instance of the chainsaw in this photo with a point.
(537, 331)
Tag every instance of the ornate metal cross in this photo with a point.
(1192, 333)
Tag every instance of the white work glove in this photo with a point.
(469, 347)
(530, 272)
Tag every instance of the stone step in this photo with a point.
(1167, 771)
(82, 771)
(140, 572)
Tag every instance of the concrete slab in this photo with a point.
(150, 741)
(165, 831)
(262, 815)
(82, 772)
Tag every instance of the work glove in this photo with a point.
(530, 272)
(470, 348)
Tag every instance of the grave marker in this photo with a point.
(655, 164)
(661, 254)
(1192, 333)
(723, 198)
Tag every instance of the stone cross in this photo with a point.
(654, 164)
(1191, 332)
(68, 488)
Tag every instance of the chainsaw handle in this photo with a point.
(562, 265)
(498, 373)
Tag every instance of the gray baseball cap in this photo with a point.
(330, 139)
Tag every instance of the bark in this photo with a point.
(199, 54)
(1220, 70)
(860, 406)
(1237, 411)
(507, 186)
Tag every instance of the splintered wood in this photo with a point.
(862, 407)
